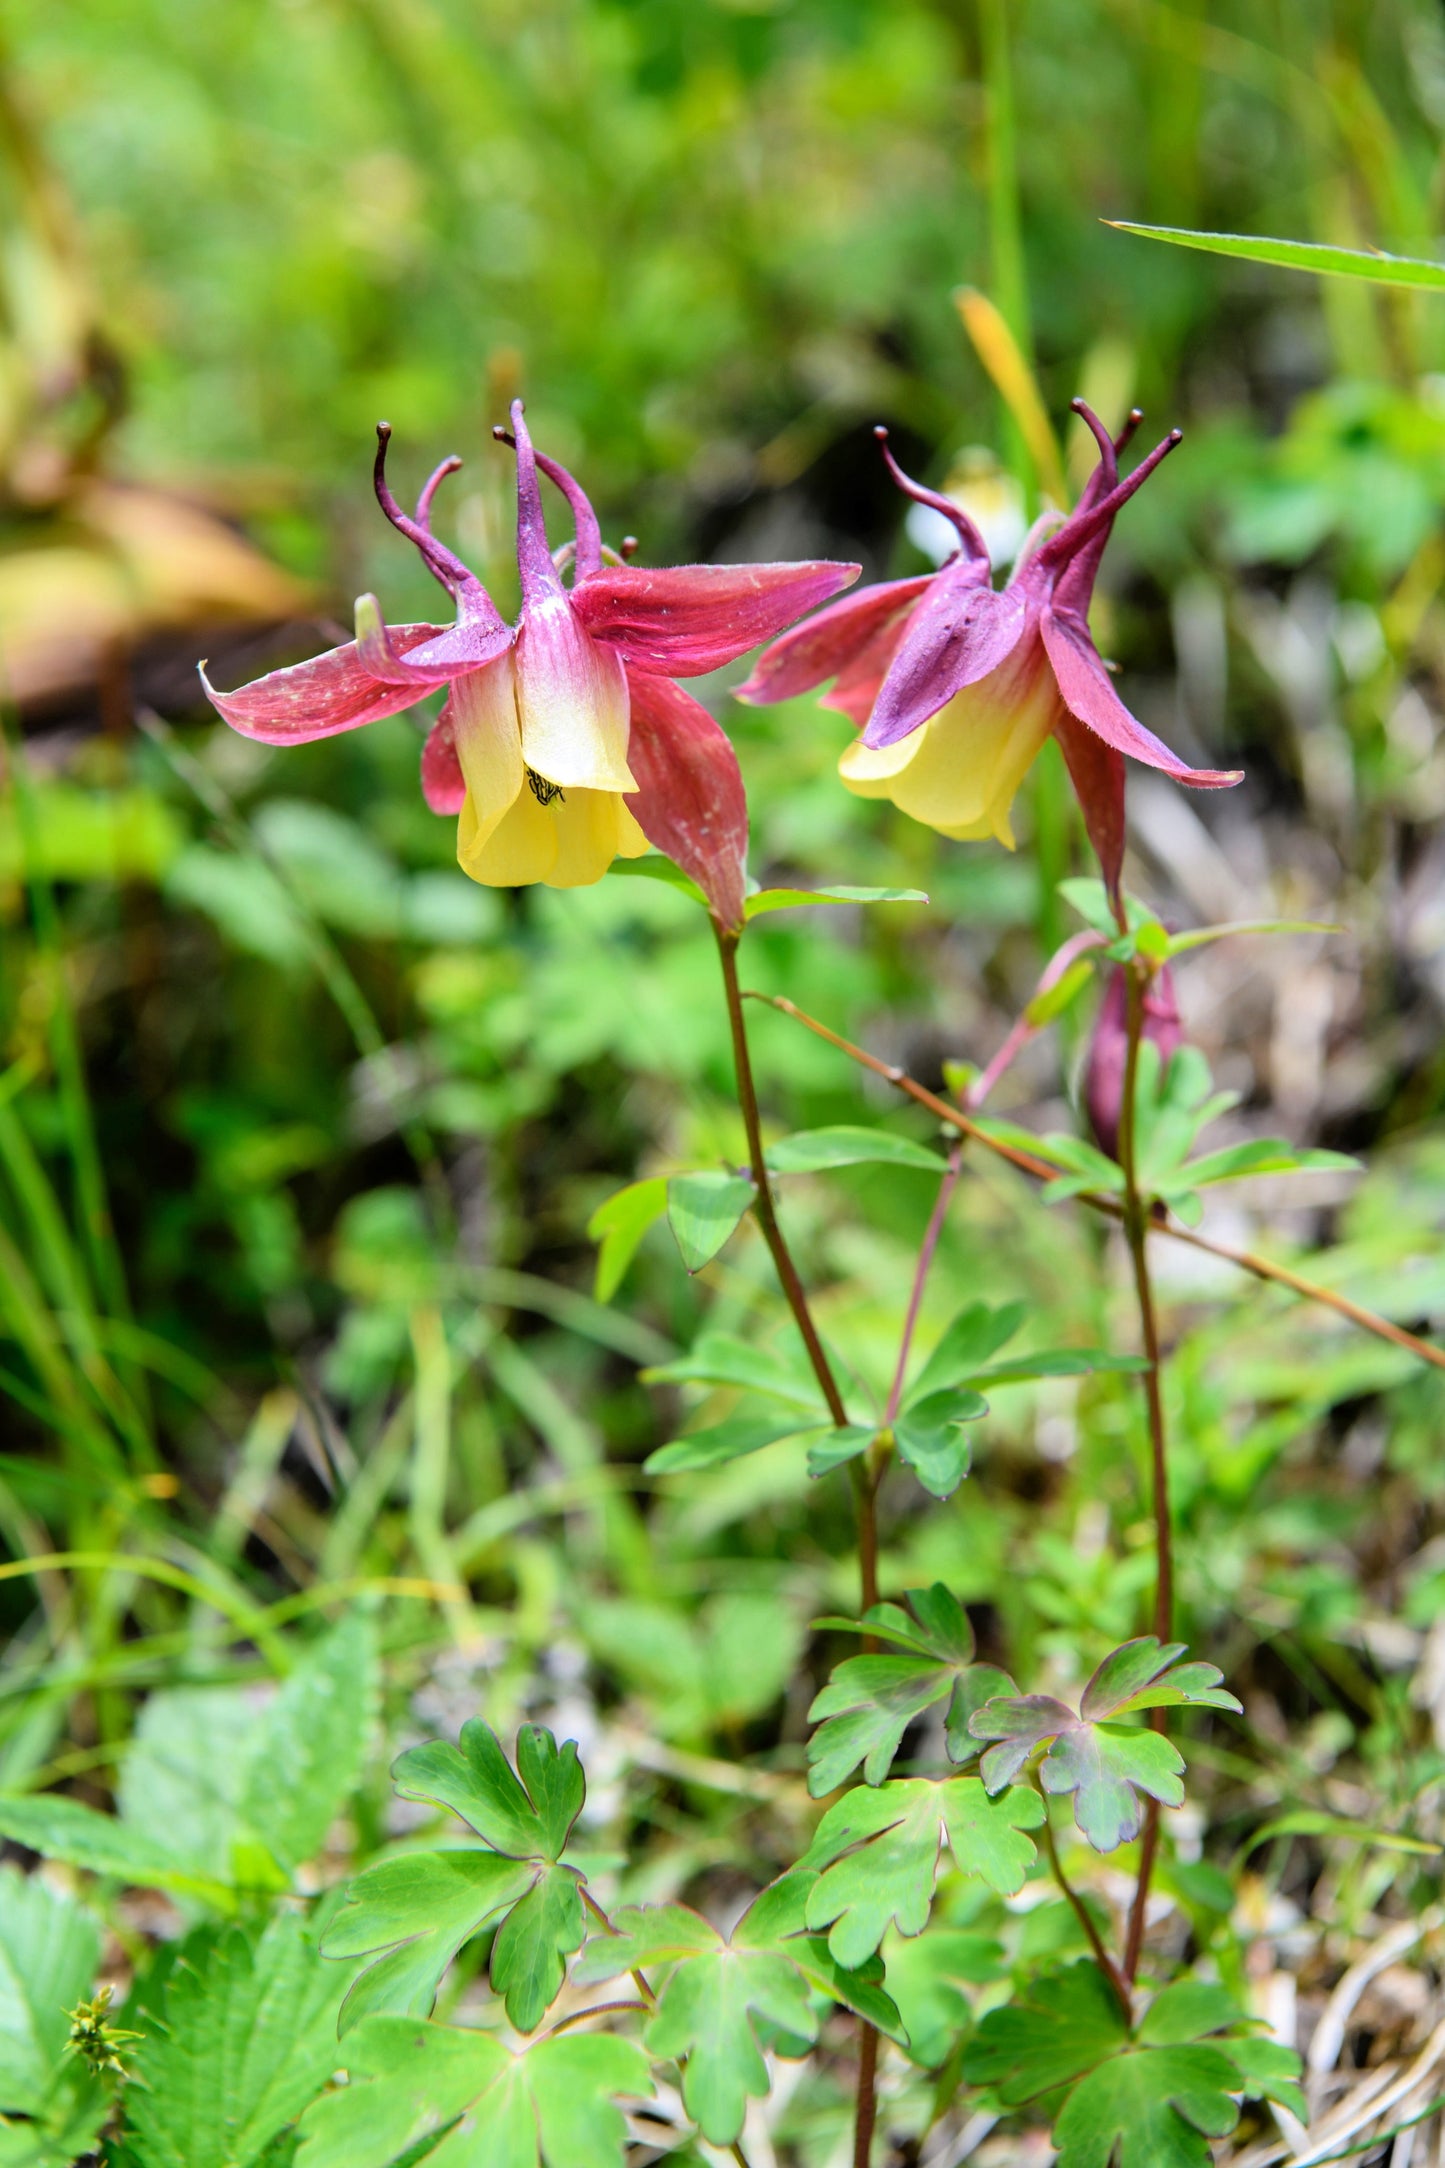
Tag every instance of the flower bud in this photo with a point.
(1109, 1048)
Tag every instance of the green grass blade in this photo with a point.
(1348, 263)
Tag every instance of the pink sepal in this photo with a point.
(689, 619)
(1087, 692)
(690, 800)
(830, 643)
(316, 699)
(443, 785)
(1097, 773)
(962, 629)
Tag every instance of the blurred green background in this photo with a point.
(300, 1132)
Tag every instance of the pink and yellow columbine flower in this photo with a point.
(563, 742)
(955, 684)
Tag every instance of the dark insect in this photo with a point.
(543, 791)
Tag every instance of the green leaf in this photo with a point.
(1152, 2109)
(931, 1438)
(655, 867)
(927, 1977)
(1142, 2100)
(1261, 1155)
(731, 1440)
(620, 1223)
(879, 1852)
(534, 1941)
(717, 1358)
(719, 1989)
(525, 1816)
(417, 1911)
(413, 2083)
(788, 899)
(703, 1210)
(1322, 258)
(101, 1844)
(834, 1448)
(1055, 999)
(244, 2038)
(1105, 1766)
(49, 1956)
(870, 1701)
(812, 1151)
(1090, 899)
(1201, 936)
(1061, 2026)
(1061, 1362)
(308, 1746)
(974, 1335)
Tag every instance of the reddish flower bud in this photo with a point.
(1109, 1048)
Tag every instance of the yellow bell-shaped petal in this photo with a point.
(518, 826)
(571, 701)
(959, 771)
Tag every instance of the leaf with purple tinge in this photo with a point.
(1106, 1766)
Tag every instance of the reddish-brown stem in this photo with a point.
(1261, 1268)
(921, 1271)
(867, 2114)
(865, 1480)
(1136, 1234)
(1085, 1918)
(782, 1256)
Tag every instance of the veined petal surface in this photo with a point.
(684, 620)
(830, 642)
(690, 800)
(571, 701)
(318, 698)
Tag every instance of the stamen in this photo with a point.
(543, 791)
(628, 547)
(968, 534)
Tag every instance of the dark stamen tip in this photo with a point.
(880, 432)
(1176, 436)
(383, 430)
(1077, 406)
(503, 436)
(630, 547)
(1136, 415)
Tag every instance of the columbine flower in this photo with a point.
(563, 741)
(1108, 1056)
(959, 683)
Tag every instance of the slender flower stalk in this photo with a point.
(1136, 1235)
(1259, 1268)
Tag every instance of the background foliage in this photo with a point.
(300, 1133)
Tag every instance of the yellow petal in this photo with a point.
(588, 829)
(959, 772)
(489, 748)
(631, 842)
(513, 852)
(572, 702)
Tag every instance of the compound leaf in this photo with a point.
(1146, 2099)
(51, 2108)
(417, 1912)
(878, 1852)
(718, 1991)
(417, 2088)
(1105, 1766)
(477, 1782)
(870, 1701)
